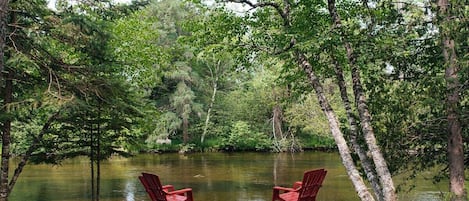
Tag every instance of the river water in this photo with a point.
(212, 176)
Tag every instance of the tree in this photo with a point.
(166, 68)
(217, 63)
(386, 187)
(287, 31)
(52, 60)
(284, 11)
(17, 63)
(446, 15)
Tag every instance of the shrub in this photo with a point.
(243, 138)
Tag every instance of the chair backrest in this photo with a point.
(312, 181)
(153, 186)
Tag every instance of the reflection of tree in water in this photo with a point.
(129, 191)
(279, 170)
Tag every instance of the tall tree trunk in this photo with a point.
(92, 159)
(344, 151)
(277, 117)
(3, 30)
(212, 101)
(98, 157)
(185, 130)
(367, 165)
(382, 170)
(455, 140)
(6, 92)
(381, 166)
(6, 137)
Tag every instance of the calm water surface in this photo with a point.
(212, 176)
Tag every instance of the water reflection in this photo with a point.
(212, 176)
(129, 192)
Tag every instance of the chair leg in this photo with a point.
(275, 195)
(189, 196)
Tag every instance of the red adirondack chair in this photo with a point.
(157, 192)
(305, 190)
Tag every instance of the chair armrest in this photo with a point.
(283, 188)
(181, 191)
(168, 188)
(297, 185)
(278, 189)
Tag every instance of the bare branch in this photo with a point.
(283, 13)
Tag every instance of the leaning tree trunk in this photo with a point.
(389, 192)
(455, 140)
(344, 151)
(382, 170)
(367, 165)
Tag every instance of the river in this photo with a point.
(212, 176)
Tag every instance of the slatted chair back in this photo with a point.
(312, 181)
(153, 186)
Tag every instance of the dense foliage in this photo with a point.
(96, 78)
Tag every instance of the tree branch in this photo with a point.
(32, 148)
(283, 13)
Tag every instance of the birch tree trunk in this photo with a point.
(342, 146)
(455, 140)
(364, 159)
(207, 119)
(381, 166)
(212, 101)
(382, 170)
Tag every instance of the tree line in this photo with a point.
(383, 82)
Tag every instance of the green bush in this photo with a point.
(243, 138)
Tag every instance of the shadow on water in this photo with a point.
(212, 176)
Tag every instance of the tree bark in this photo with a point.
(382, 169)
(185, 130)
(92, 159)
(277, 119)
(7, 93)
(6, 137)
(3, 30)
(98, 157)
(342, 146)
(455, 140)
(212, 101)
(367, 165)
